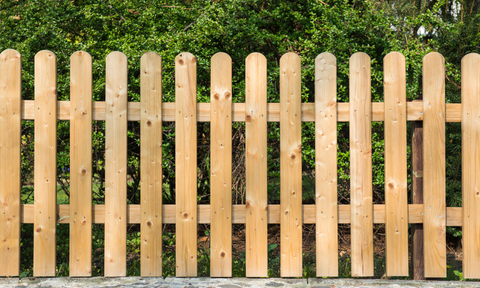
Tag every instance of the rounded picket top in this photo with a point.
(80, 55)
(10, 54)
(394, 55)
(324, 62)
(290, 56)
(151, 63)
(326, 58)
(433, 57)
(360, 56)
(470, 58)
(221, 57)
(47, 54)
(184, 58)
(221, 77)
(150, 56)
(116, 55)
(255, 56)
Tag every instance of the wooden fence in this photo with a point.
(396, 213)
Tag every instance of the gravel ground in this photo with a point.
(138, 282)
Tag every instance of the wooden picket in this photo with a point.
(434, 165)
(186, 164)
(151, 164)
(256, 165)
(361, 165)
(10, 125)
(471, 164)
(116, 165)
(221, 167)
(326, 165)
(45, 224)
(396, 228)
(81, 164)
(291, 166)
(256, 213)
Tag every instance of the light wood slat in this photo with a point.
(471, 164)
(10, 133)
(221, 166)
(116, 166)
(434, 165)
(396, 228)
(361, 166)
(81, 165)
(454, 214)
(326, 165)
(256, 165)
(414, 111)
(44, 252)
(186, 164)
(151, 165)
(290, 166)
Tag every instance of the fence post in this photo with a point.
(417, 198)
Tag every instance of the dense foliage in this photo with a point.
(240, 27)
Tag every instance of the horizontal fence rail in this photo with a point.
(256, 214)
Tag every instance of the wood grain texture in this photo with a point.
(291, 227)
(221, 166)
(81, 165)
(361, 166)
(415, 216)
(434, 164)
(471, 164)
(151, 165)
(414, 111)
(326, 165)
(186, 164)
(256, 165)
(10, 133)
(116, 165)
(396, 228)
(45, 178)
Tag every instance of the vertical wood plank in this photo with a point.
(361, 166)
(10, 133)
(326, 165)
(186, 164)
(291, 166)
(221, 166)
(396, 209)
(116, 165)
(256, 165)
(45, 219)
(434, 164)
(151, 165)
(418, 257)
(471, 164)
(81, 164)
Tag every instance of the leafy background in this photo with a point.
(308, 28)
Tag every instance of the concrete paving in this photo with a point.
(139, 282)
